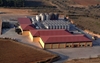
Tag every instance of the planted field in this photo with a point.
(14, 52)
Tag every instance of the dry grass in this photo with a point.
(17, 11)
(92, 60)
(88, 23)
(14, 52)
(87, 2)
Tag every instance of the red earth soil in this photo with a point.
(15, 52)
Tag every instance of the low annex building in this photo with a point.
(65, 41)
(53, 38)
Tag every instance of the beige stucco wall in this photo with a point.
(69, 45)
(75, 44)
(30, 36)
(82, 44)
(48, 46)
(63, 45)
(25, 33)
(55, 46)
(41, 43)
(28, 33)
(36, 39)
(89, 43)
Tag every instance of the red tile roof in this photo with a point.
(65, 39)
(49, 32)
(25, 24)
(53, 32)
(35, 32)
(30, 27)
(27, 27)
(24, 21)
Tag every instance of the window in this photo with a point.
(80, 45)
(70, 45)
(88, 45)
(75, 46)
(83, 45)
(67, 46)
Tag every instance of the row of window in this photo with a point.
(68, 45)
(79, 45)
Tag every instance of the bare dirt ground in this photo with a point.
(16, 11)
(14, 52)
(91, 33)
(87, 2)
(92, 60)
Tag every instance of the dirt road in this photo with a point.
(93, 60)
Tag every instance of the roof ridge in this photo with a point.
(63, 35)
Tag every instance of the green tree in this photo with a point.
(1, 2)
(12, 3)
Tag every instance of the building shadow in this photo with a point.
(96, 42)
(4, 30)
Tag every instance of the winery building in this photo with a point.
(52, 37)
